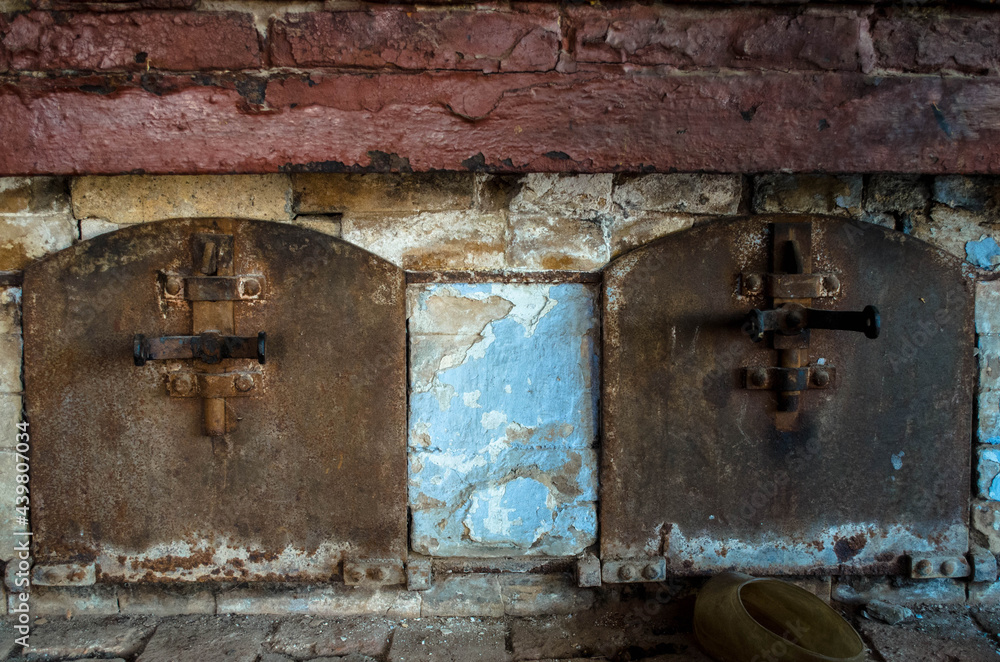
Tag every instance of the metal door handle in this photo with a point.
(791, 318)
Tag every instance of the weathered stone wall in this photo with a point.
(503, 295)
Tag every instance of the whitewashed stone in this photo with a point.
(688, 193)
(563, 195)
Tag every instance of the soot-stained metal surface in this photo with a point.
(315, 468)
(694, 468)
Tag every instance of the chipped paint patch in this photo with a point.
(503, 418)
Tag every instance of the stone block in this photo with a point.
(685, 193)
(324, 224)
(456, 240)
(98, 600)
(64, 574)
(10, 310)
(988, 307)
(986, 594)
(988, 468)
(588, 571)
(450, 640)
(11, 347)
(134, 41)
(929, 42)
(886, 193)
(543, 595)
(542, 243)
(196, 638)
(687, 37)
(9, 522)
(17, 575)
(628, 231)
(142, 198)
(808, 194)
(900, 591)
(332, 601)
(463, 595)
(951, 229)
(975, 193)
(376, 192)
(308, 637)
(28, 236)
(984, 564)
(986, 520)
(95, 227)
(419, 574)
(10, 416)
(61, 638)
(988, 428)
(407, 38)
(563, 195)
(165, 600)
(36, 195)
(503, 415)
(989, 362)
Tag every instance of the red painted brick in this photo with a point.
(928, 41)
(172, 41)
(750, 38)
(111, 5)
(486, 41)
(586, 122)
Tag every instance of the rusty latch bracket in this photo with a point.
(213, 288)
(791, 286)
(789, 379)
(938, 567)
(212, 385)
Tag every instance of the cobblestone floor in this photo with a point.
(952, 634)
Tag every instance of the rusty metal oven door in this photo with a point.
(217, 399)
(812, 451)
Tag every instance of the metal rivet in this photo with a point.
(378, 574)
(821, 377)
(923, 568)
(626, 572)
(831, 283)
(754, 283)
(173, 285)
(949, 568)
(758, 376)
(650, 572)
(251, 287)
(244, 383)
(183, 384)
(355, 575)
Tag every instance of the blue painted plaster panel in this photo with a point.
(503, 417)
(989, 417)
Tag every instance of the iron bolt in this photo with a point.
(244, 383)
(831, 283)
(758, 376)
(378, 574)
(949, 568)
(183, 384)
(821, 377)
(251, 287)
(650, 571)
(626, 572)
(923, 568)
(355, 575)
(795, 319)
(754, 283)
(173, 285)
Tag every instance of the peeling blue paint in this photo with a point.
(503, 418)
(989, 473)
(982, 252)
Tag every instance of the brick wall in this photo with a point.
(181, 84)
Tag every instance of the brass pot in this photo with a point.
(739, 618)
